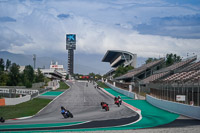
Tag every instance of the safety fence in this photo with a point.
(186, 93)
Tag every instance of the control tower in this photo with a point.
(70, 46)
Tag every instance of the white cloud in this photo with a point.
(94, 24)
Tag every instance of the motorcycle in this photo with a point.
(67, 114)
(2, 120)
(117, 103)
(105, 106)
(120, 101)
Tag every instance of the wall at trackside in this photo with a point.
(183, 109)
(126, 93)
(14, 101)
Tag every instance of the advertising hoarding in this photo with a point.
(180, 98)
(71, 38)
(70, 41)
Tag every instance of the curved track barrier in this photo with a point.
(183, 109)
(121, 91)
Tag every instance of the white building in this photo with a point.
(58, 68)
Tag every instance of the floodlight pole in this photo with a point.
(34, 61)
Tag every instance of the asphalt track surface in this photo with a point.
(84, 102)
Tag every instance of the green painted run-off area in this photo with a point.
(52, 93)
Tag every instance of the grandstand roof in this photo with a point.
(110, 54)
(141, 69)
(118, 57)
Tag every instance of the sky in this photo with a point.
(149, 28)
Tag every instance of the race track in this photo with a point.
(84, 102)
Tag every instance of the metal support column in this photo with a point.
(198, 97)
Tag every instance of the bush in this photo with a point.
(28, 84)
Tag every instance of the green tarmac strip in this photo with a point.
(52, 93)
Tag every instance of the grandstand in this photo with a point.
(181, 79)
(168, 70)
(193, 66)
(118, 58)
(178, 65)
(142, 72)
(184, 76)
(110, 73)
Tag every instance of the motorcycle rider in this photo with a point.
(116, 101)
(105, 106)
(63, 111)
(120, 100)
(2, 119)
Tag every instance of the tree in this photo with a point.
(171, 59)
(122, 70)
(39, 77)
(2, 66)
(67, 77)
(149, 60)
(29, 73)
(98, 76)
(28, 76)
(92, 75)
(3, 79)
(14, 74)
(8, 64)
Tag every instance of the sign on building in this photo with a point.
(70, 41)
(180, 98)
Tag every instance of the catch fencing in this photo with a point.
(182, 92)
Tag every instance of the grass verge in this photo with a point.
(24, 109)
(102, 85)
(62, 87)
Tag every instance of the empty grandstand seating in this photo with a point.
(193, 66)
(153, 77)
(166, 71)
(184, 76)
(141, 69)
(189, 73)
(177, 65)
